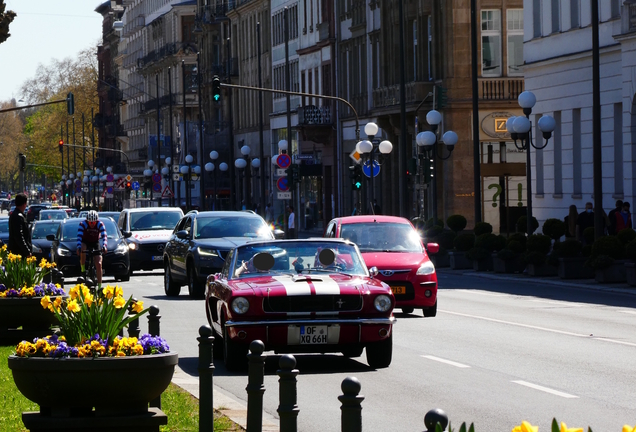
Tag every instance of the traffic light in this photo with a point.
(411, 167)
(292, 176)
(70, 103)
(295, 173)
(216, 88)
(441, 96)
(61, 146)
(356, 177)
(22, 162)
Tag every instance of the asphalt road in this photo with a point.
(497, 353)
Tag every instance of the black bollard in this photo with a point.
(153, 321)
(206, 374)
(133, 326)
(433, 417)
(255, 387)
(287, 397)
(351, 417)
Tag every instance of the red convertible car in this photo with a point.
(300, 296)
(392, 244)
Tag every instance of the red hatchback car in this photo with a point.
(393, 245)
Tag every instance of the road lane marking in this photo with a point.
(152, 283)
(545, 389)
(484, 293)
(629, 312)
(559, 303)
(450, 362)
(587, 336)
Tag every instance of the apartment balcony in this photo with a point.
(500, 89)
(389, 96)
(315, 123)
(134, 25)
(213, 14)
(164, 101)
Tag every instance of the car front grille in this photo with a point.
(153, 248)
(315, 303)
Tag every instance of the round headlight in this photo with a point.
(132, 246)
(426, 268)
(240, 305)
(382, 303)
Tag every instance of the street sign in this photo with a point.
(167, 192)
(194, 177)
(175, 168)
(156, 194)
(134, 185)
(156, 178)
(78, 183)
(176, 177)
(283, 161)
(109, 190)
(305, 156)
(78, 189)
(366, 168)
(355, 156)
(85, 189)
(283, 195)
(110, 183)
(120, 185)
(156, 187)
(110, 178)
(282, 184)
(128, 177)
(281, 172)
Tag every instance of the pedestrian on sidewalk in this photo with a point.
(291, 224)
(612, 216)
(19, 232)
(585, 220)
(570, 223)
(624, 218)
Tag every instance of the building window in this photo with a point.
(556, 16)
(577, 190)
(536, 18)
(187, 25)
(618, 149)
(490, 43)
(616, 8)
(575, 20)
(558, 156)
(515, 41)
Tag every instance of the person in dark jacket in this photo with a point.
(19, 233)
(585, 220)
(612, 216)
(624, 218)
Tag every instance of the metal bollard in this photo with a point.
(206, 374)
(255, 387)
(153, 330)
(351, 417)
(433, 417)
(287, 397)
(153, 321)
(133, 326)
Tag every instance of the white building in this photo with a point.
(558, 69)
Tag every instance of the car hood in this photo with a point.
(223, 243)
(151, 236)
(314, 284)
(41, 243)
(394, 260)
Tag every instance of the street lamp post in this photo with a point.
(168, 176)
(241, 163)
(520, 128)
(223, 167)
(427, 141)
(367, 147)
(186, 171)
(214, 155)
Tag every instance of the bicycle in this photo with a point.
(90, 274)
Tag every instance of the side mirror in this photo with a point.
(126, 234)
(50, 237)
(279, 234)
(373, 271)
(432, 248)
(183, 235)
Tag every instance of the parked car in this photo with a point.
(7, 203)
(300, 296)
(12, 209)
(41, 245)
(394, 246)
(52, 214)
(116, 261)
(33, 211)
(150, 230)
(200, 243)
(4, 231)
(114, 215)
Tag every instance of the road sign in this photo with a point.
(194, 177)
(156, 187)
(176, 177)
(283, 161)
(156, 194)
(175, 168)
(110, 183)
(78, 189)
(167, 192)
(109, 190)
(78, 183)
(355, 156)
(110, 178)
(156, 178)
(134, 185)
(366, 168)
(281, 172)
(128, 177)
(85, 189)
(282, 184)
(283, 195)
(120, 184)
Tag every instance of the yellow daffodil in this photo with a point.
(119, 291)
(0, 261)
(628, 428)
(72, 306)
(137, 307)
(119, 302)
(74, 292)
(88, 300)
(108, 292)
(564, 428)
(525, 427)
(45, 302)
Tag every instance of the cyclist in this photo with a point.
(90, 234)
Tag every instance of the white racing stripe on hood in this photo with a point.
(300, 287)
(326, 286)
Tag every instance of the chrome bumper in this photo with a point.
(360, 321)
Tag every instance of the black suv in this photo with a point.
(201, 241)
(33, 213)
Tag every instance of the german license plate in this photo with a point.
(398, 290)
(157, 258)
(313, 335)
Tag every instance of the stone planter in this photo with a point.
(612, 274)
(25, 312)
(507, 266)
(458, 261)
(630, 273)
(574, 268)
(485, 264)
(544, 269)
(440, 261)
(72, 387)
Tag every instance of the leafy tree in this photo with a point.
(5, 19)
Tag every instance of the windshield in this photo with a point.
(41, 230)
(383, 237)
(232, 226)
(306, 257)
(154, 220)
(4, 226)
(69, 232)
(52, 215)
(113, 215)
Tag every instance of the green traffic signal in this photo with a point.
(70, 103)
(216, 88)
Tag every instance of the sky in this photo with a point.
(45, 30)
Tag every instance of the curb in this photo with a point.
(228, 405)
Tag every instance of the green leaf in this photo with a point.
(555, 425)
(438, 428)
(471, 428)
(462, 428)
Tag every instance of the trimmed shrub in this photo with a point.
(569, 248)
(588, 235)
(433, 231)
(554, 228)
(456, 222)
(600, 262)
(482, 228)
(536, 258)
(507, 254)
(431, 223)
(539, 243)
(478, 253)
(445, 239)
(515, 246)
(587, 250)
(630, 250)
(522, 224)
(464, 242)
(610, 246)
(520, 238)
(626, 235)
